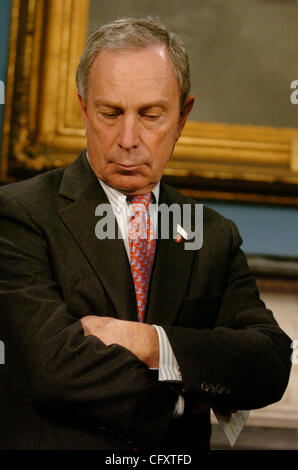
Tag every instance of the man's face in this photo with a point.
(132, 117)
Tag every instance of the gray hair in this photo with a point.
(129, 34)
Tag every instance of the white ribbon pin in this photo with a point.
(182, 232)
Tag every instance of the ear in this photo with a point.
(83, 107)
(187, 107)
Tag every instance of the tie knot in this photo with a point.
(141, 202)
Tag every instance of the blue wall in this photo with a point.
(5, 7)
(266, 230)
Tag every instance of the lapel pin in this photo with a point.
(178, 238)
(182, 232)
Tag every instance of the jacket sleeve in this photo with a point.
(55, 366)
(244, 361)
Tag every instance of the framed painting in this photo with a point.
(244, 153)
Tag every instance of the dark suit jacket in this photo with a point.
(61, 390)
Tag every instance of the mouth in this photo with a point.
(128, 167)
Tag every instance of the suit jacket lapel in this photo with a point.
(108, 257)
(171, 271)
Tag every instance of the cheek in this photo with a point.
(164, 143)
(99, 136)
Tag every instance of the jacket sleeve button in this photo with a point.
(205, 387)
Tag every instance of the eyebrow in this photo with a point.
(99, 102)
(159, 103)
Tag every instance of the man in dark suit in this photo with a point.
(81, 371)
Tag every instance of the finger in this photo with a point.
(86, 323)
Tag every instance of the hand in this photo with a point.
(139, 338)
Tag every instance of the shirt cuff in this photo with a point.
(168, 368)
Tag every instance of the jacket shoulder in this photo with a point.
(210, 215)
(48, 181)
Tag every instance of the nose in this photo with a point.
(128, 137)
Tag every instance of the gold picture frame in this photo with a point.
(43, 128)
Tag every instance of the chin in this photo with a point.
(132, 184)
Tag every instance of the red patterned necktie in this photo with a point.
(141, 240)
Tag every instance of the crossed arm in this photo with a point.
(139, 338)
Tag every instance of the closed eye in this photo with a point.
(152, 113)
(110, 115)
(151, 116)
